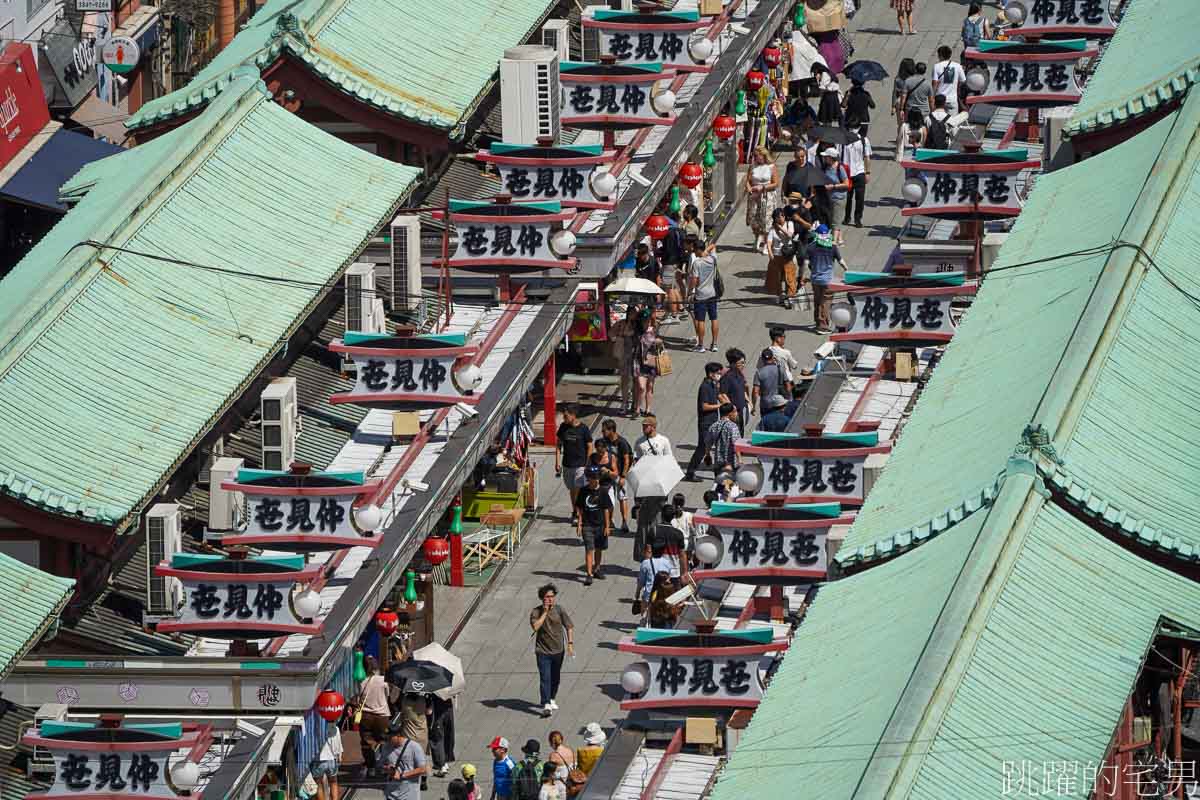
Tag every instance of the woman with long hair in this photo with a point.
(907, 69)
(649, 346)
(762, 193)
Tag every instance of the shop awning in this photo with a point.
(56, 159)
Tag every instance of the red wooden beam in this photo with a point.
(664, 766)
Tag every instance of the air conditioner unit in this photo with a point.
(216, 451)
(280, 414)
(405, 285)
(530, 94)
(41, 762)
(360, 298)
(164, 538)
(556, 33)
(224, 506)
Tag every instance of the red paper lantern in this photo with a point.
(724, 126)
(330, 705)
(657, 226)
(755, 79)
(690, 175)
(436, 550)
(386, 621)
(772, 56)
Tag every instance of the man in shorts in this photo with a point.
(593, 508)
(704, 280)
(571, 454)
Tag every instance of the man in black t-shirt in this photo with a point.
(594, 509)
(620, 458)
(670, 539)
(708, 404)
(571, 454)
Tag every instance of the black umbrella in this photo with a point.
(421, 677)
(832, 135)
(801, 178)
(863, 71)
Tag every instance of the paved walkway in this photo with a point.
(495, 643)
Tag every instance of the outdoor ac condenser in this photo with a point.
(279, 424)
(164, 538)
(360, 297)
(530, 94)
(41, 762)
(405, 266)
(556, 33)
(224, 506)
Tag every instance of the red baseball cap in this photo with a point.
(499, 741)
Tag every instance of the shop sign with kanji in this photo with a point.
(768, 543)
(508, 237)
(301, 513)
(892, 309)
(1029, 75)
(562, 173)
(409, 372)
(251, 598)
(812, 469)
(613, 96)
(95, 762)
(1091, 19)
(632, 37)
(684, 669)
(957, 185)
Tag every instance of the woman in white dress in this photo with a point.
(762, 196)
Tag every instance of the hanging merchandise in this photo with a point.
(772, 56)
(691, 174)
(798, 17)
(739, 106)
(755, 79)
(436, 550)
(657, 226)
(710, 158)
(674, 206)
(360, 671)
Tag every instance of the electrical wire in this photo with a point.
(742, 301)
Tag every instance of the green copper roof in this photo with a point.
(1133, 78)
(112, 365)
(1064, 348)
(32, 601)
(422, 61)
(1006, 639)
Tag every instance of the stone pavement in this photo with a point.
(495, 643)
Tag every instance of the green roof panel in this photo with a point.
(113, 364)
(33, 600)
(1133, 79)
(429, 67)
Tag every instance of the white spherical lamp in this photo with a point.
(700, 49)
(1014, 12)
(468, 377)
(186, 775)
(748, 477)
(709, 549)
(841, 315)
(977, 79)
(913, 190)
(368, 518)
(307, 604)
(562, 242)
(664, 101)
(604, 184)
(636, 678)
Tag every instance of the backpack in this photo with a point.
(972, 32)
(939, 134)
(672, 246)
(528, 784)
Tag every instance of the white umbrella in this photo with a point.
(654, 476)
(439, 655)
(628, 284)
